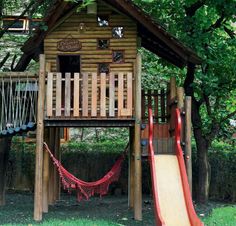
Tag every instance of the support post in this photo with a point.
(131, 169)
(56, 192)
(172, 88)
(51, 167)
(172, 104)
(45, 174)
(39, 143)
(137, 145)
(5, 145)
(180, 105)
(188, 147)
(46, 163)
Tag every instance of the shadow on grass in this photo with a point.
(110, 210)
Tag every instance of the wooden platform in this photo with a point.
(89, 122)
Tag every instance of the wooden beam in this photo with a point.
(39, 143)
(131, 169)
(188, 146)
(45, 174)
(56, 175)
(5, 145)
(51, 145)
(180, 97)
(137, 140)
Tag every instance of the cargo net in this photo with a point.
(87, 189)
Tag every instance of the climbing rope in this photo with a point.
(18, 100)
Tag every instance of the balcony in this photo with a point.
(88, 96)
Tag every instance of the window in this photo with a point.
(103, 44)
(103, 68)
(118, 32)
(103, 20)
(18, 25)
(118, 56)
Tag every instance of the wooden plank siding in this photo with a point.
(90, 55)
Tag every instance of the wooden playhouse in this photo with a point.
(90, 76)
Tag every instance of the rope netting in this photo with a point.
(87, 189)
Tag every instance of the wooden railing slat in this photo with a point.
(49, 94)
(67, 93)
(76, 94)
(94, 95)
(129, 92)
(103, 95)
(112, 95)
(58, 94)
(85, 95)
(120, 92)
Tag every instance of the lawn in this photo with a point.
(222, 216)
(108, 211)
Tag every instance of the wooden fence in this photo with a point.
(158, 100)
(89, 95)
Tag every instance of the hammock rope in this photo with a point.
(87, 189)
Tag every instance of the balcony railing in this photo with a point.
(89, 95)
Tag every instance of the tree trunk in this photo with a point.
(203, 167)
(5, 144)
(201, 140)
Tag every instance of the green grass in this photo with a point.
(108, 211)
(224, 216)
(71, 222)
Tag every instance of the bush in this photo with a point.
(222, 159)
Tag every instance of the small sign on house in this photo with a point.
(69, 44)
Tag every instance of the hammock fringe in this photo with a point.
(87, 189)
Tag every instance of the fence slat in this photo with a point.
(112, 95)
(163, 105)
(156, 107)
(130, 92)
(76, 94)
(58, 94)
(103, 95)
(120, 92)
(94, 95)
(149, 99)
(67, 93)
(85, 95)
(49, 94)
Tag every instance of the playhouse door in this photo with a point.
(69, 63)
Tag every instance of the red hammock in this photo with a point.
(87, 189)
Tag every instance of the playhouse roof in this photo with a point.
(154, 37)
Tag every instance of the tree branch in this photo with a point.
(191, 10)
(229, 32)
(217, 24)
(228, 116)
(207, 101)
(4, 60)
(13, 62)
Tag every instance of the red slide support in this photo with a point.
(194, 220)
(157, 210)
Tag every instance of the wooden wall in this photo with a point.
(90, 55)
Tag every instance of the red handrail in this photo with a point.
(194, 220)
(157, 210)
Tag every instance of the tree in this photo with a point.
(208, 27)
